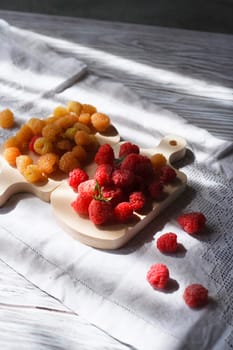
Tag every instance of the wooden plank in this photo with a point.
(184, 71)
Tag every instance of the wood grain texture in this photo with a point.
(187, 72)
(184, 71)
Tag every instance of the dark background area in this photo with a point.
(204, 15)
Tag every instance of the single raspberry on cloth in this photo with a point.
(192, 222)
(158, 276)
(76, 177)
(195, 295)
(167, 243)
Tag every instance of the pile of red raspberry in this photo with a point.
(121, 185)
(195, 295)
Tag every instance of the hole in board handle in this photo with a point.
(173, 142)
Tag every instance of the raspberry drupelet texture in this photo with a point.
(130, 162)
(137, 200)
(123, 212)
(192, 222)
(103, 174)
(114, 194)
(100, 211)
(158, 276)
(87, 186)
(104, 155)
(81, 204)
(196, 296)
(167, 243)
(76, 177)
(127, 148)
(122, 177)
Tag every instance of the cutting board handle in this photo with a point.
(173, 147)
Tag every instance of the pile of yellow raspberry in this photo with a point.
(62, 142)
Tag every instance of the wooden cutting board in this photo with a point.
(61, 195)
(115, 236)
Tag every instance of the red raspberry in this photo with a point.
(31, 143)
(123, 211)
(88, 187)
(167, 243)
(155, 189)
(103, 174)
(130, 162)
(144, 167)
(158, 276)
(167, 175)
(139, 165)
(114, 194)
(122, 177)
(104, 155)
(100, 212)
(81, 204)
(195, 295)
(77, 176)
(127, 148)
(137, 200)
(192, 222)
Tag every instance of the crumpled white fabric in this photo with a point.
(109, 288)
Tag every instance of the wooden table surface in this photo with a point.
(187, 72)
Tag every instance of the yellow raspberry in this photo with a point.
(22, 162)
(100, 121)
(82, 138)
(60, 111)
(10, 154)
(11, 142)
(81, 126)
(74, 106)
(68, 162)
(85, 118)
(36, 125)
(51, 131)
(6, 119)
(80, 153)
(24, 135)
(67, 121)
(86, 108)
(48, 163)
(64, 145)
(42, 145)
(32, 174)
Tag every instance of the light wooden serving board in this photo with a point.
(61, 195)
(115, 236)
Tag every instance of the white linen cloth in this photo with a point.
(109, 288)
